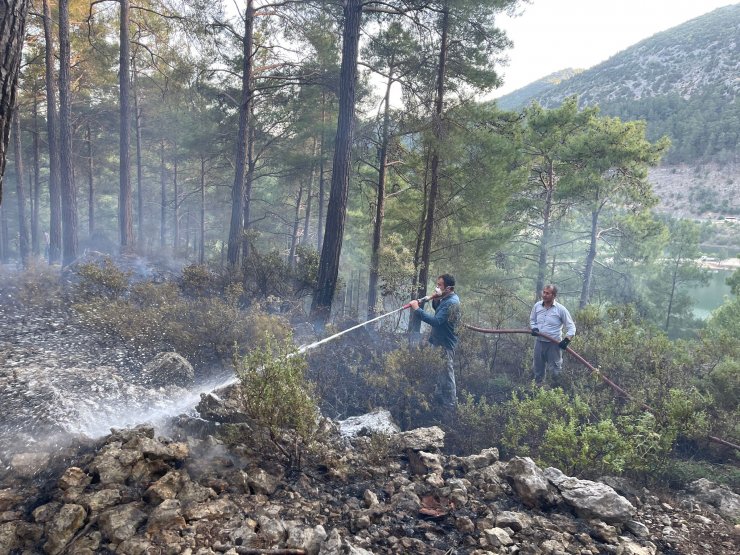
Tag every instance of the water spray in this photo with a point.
(303, 348)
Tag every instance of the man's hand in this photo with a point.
(535, 331)
(414, 304)
(564, 343)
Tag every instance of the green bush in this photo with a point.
(478, 426)
(157, 316)
(276, 395)
(101, 279)
(406, 380)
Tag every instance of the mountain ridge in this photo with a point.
(684, 82)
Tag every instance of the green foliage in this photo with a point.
(734, 281)
(102, 279)
(201, 318)
(565, 432)
(405, 381)
(277, 396)
(477, 426)
(36, 286)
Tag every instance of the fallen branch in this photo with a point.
(223, 548)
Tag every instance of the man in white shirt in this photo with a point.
(548, 317)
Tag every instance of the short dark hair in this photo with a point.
(553, 288)
(449, 280)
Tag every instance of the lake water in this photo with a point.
(710, 296)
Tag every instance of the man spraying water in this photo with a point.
(444, 324)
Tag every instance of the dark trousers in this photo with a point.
(548, 357)
(445, 390)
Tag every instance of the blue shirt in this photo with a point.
(444, 322)
(550, 320)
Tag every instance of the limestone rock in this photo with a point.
(62, 528)
(591, 499)
(719, 496)
(121, 522)
(420, 439)
(529, 482)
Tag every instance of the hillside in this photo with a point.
(684, 82)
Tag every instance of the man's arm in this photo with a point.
(533, 317)
(439, 318)
(570, 325)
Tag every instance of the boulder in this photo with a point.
(379, 421)
(591, 499)
(421, 439)
(529, 482)
(62, 528)
(721, 497)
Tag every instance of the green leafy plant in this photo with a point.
(276, 395)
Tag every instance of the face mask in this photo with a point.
(437, 291)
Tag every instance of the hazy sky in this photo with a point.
(556, 34)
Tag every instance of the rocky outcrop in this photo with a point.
(138, 493)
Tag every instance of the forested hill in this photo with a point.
(684, 81)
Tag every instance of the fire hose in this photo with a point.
(595, 370)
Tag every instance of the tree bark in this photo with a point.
(426, 248)
(4, 246)
(372, 287)
(23, 243)
(125, 204)
(202, 246)
(251, 163)
(162, 196)
(545, 240)
(337, 210)
(296, 226)
(322, 192)
(588, 269)
(139, 168)
(52, 131)
(36, 193)
(236, 228)
(175, 205)
(12, 33)
(67, 185)
(90, 183)
(309, 193)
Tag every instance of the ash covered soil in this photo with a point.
(69, 485)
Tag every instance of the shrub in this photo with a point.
(101, 279)
(405, 381)
(276, 395)
(480, 422)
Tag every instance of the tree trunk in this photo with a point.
(322, 193)
(12, 33)
(36, 193)
(23, 242)
(139, 168)
(309, 193)
(4, 246)
(162, 197)
(175, 205)
(52, 131)
(545, 241)
(337, 210)
(426, 248)
(672, 294)
(372, 287)
(67, 184)
(590, 257)
(202, 246)
(251, 164)
(90, 184)
(125, 205)
(241, 161)
(296, 226)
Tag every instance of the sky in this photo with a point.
(551, 35)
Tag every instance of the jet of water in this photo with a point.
(303, 348)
